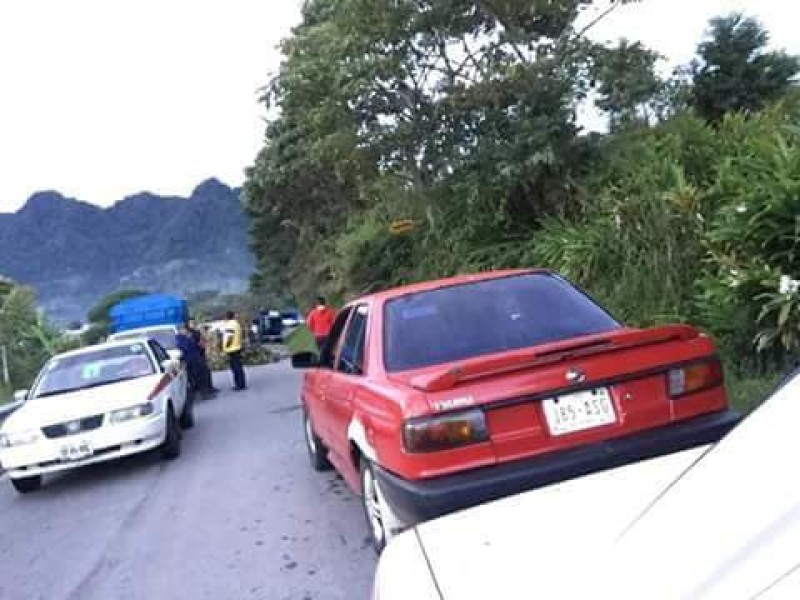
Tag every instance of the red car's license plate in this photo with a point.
(579, 411)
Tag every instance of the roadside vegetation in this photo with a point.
(27, 340)
(423, 139)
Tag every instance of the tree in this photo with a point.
(735, 72)
(626, 82)
(27, 336)
(457, 114)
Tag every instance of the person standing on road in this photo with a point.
(206, 382)
(191, 355)
(232, 346)
(320, 321)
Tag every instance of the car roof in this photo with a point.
(137, 330)
(436, 284)
(95, 347)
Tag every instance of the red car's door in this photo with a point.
(314, 394)
(345, 379)
(319, 386)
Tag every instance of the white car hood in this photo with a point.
(39, 412)
(718, 524)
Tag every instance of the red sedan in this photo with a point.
(438, 396)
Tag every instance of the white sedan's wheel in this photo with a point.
(382, 521)
(171, 448)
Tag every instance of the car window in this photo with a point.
(92, 369)
(158, 351)
(329, 351)
(351, 357)
(473, 319)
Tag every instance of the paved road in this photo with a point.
(239, 515)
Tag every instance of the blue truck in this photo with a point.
(148, 311)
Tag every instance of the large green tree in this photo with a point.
(736, 72)
(457, 114)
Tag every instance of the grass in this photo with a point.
(747, 390)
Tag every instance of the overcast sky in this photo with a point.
(102, 99)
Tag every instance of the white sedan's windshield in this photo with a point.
(92, 369)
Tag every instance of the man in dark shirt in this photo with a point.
(206, 383)
(191, 355)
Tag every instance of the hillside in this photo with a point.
(72, 253)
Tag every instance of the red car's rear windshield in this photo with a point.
(461, 321)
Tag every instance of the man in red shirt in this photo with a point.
(320, 320)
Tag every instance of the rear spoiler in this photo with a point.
(479, 367)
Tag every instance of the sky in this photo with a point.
(102, 99)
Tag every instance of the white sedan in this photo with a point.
(716, 522)
(93, 405)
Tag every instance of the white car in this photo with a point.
(93, 405)
(163, 334)
(716, 522)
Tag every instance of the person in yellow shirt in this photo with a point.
(232, 346)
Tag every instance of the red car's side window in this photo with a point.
(351, 355)
(330, 351)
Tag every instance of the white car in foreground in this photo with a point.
(93, 405)
(719, 522)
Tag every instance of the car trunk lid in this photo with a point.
(618, 376)
(449, 377)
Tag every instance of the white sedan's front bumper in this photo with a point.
(108, 442)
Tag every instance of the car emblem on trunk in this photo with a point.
(73, 426)
(575, 375)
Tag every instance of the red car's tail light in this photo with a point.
(444, 432)
(694, 378)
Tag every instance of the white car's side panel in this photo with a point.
(535, 540)
(731, 526)
(403, 561)
(722, 524)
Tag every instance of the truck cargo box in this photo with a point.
(146, 311)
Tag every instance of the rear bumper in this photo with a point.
(416, 501)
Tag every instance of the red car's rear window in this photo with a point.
(472, 319)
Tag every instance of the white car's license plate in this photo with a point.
(579, 411)
(76, 450)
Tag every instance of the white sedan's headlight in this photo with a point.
(19, 438)
(131, 412)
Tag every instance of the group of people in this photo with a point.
(192, 344)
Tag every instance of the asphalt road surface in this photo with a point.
(239, 515)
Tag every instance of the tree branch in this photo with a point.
(615, 4)
(488, 7)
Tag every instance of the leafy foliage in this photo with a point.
(735, 72)
(459, 116)
(28, 338)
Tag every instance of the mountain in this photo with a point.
(73, 253)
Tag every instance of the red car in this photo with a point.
(434, 397)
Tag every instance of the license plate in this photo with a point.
(579, 411)
(76, 451)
